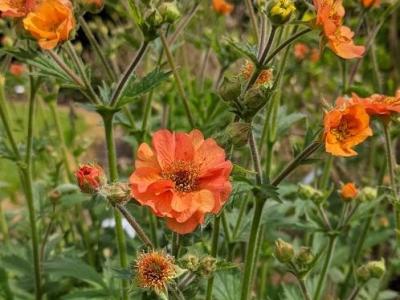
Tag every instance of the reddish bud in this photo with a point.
(90, 178)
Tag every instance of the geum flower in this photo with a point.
(222, 7)
(379, 105)
(339, 38)
(348, 191)
(345, 126)
(370, 3)
(182, 177)
(51, 22)
(16, 8)
(90, 178)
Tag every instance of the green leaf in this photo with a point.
(75, 268)
(244, 49)
(227, 286)
(146, 84)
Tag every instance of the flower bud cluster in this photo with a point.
(372, 269)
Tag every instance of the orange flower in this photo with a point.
(345, 126)
(90, 178)
(339, 38)
(301, 50)
(341, 42)
(51, 22)
(181, 177)
(154, 270)
(379, 105)
(315, 55)
(348, 191)
(222, 7)
(17, 69)
(16, 8)
(370, 3)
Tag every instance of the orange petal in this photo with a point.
(183, 147)
(164, 146)
(146, 157)
(184, 227)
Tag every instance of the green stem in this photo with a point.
(323, 183)
(253, 18)
(92, 40)
(124, 80)
(64, 150)
(27, 174)
(3, 225)
(175, 244)
(325, 267)
(81, 68)
(178, 80)
(304, 289)
(214, 250)
(113, 171)
(391, 165)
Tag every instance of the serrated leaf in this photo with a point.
(244, 49)
(144, 85)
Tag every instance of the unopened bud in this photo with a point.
(363, 274)
(283, 251)
(169, 11)
(154, 19)
(190, 262)
(90, 178)
(93, 6)
(376, 268)
(254, 100)
(229, 90)
(280, 11)
(348, 192)
(54, 196)
(238, 133)
(117, 193)
(368, 194)
(383, 222)
(208, 265)
(305, 257)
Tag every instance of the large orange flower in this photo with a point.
(16, 8)
(339, 38)
(222, 7)
(181, 177)
(345, 127)
(379, 105)
(51, 22)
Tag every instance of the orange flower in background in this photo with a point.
(90, 178)
(222, 7)
(17, 69)
(315, 55)
(339, 38)
(301, 50)
(370, 3)
(379, 105)
(345, 126)
(16, 8)
(181, 177)
(348, 191)
(51, 22)
(154, 270)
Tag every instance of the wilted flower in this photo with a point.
(190, 262)
(117, 193)
(154, 270)
(222, 7)
(182, 177)
(238, 132)
(90, 178)
(264, 79)
(51, 22)
(348, 191)
(283, 251)
(339, 38)
(208, 265)
(16, 8)
(345, 126)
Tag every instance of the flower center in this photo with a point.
(342, 131)
(184, 175)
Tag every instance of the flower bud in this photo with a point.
(151, 25)
(238, 133)
(305, 257)
(363, 274)
(208, 265)
(169, 12)
(54, 196)
(280, 11)
(190, 262)
(368, 194)
(229, 90)
(90, 178)
(348, 192)
(254, 100)
(383, 222)
(283, 251)
(154, 19)
(376, 268)
(117, 193)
